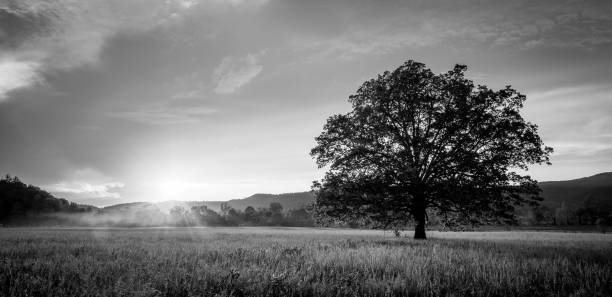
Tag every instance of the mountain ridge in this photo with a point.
(593, 191)
(597, 187)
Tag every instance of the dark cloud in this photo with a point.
(17, 25)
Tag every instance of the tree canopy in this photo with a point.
(417, 141)
(18, 200)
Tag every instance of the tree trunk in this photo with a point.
(420, 218)
(419, 230)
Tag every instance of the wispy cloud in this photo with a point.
(233, 73)
(86, 183)
(84, 189)
(165, 113)
(233, 2)
(576, 111)
(604, 90)
(561, 24)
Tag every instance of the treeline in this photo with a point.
(228, 216)
(590, 213)
(28, 205)
(22, 204)
(19, 201)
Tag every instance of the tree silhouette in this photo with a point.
(415, 140)
(250, 215)
(276, 213)
(19, 201)
(276, 208)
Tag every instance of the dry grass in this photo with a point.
(300, 262)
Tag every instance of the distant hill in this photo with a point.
(594, 191)
(129, 206)
(289, 201)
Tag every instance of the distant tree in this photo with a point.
(276, 207)
(234, 217)
(250, 215)
(416, 141)
(562, 214)
(601, 225)
(225, 207)
(205, 216)
(542, 214)
(276, 213)
(586, 215)
(299, 217)
(179, 216)
(22, 202)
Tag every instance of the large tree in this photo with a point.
(418, 141)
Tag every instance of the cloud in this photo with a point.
(578, 110)
(192, 3)
(582, 148)
(165, 113)
(370, 41)
(45, 36)
(15, 75)
(84, 189)
(38, 37)
(233, 73)
(560, 24)
(86, 183)
(247, 2)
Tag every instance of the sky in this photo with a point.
(112, 101)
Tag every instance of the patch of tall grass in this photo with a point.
(300, 262)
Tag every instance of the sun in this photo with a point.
(177, 188)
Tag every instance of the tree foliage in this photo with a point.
(18, 200)
(416, 140)
(229, 216)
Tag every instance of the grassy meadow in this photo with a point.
(300, 262)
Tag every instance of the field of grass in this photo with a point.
(300, 262)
